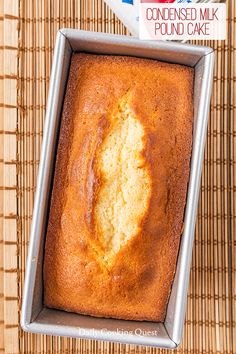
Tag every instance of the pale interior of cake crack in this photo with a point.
(124, 195)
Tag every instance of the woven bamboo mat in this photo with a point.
(27, 35)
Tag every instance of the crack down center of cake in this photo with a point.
(124, 194)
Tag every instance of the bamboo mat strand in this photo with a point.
(27, 34)
(1, 178)
(9, 246)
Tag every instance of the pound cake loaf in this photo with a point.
(119, 189)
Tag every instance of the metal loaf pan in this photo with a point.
(35, 317)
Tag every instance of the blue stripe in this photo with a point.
(128, 1)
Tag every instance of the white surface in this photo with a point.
(127, 13)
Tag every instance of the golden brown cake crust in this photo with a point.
(133, 283)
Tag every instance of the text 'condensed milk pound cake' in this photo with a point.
(119, 188)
